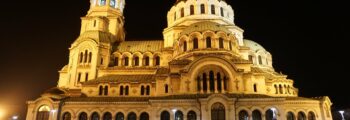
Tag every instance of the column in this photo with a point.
(216, 85)
(222, 86)
(208, 83)
(201, 80)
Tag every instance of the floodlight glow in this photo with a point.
(174, 110)
(15, 117)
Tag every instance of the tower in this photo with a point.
(101, 29)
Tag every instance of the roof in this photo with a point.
(98, 36)
(141, 46)
(122, 78)
(204, 26)
(177, 1)
(254, 46)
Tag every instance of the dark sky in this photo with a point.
(306, 38)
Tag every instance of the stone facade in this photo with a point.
(202, 70)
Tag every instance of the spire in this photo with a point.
(106, 7)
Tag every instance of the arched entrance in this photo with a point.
(212, 79)
(218, 111)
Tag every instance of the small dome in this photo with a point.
(204, 26)
(254, 46)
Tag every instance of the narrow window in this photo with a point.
(116, 61)
(191, 10)
(112, 3)
(142, 90)
(174, 16)
(90, 57)
(221, 43)
(146, 61)
(276, 89)
(213, 9)
(121, 90)
(101, 61)
(208, 41)
(102, 2)
(281, 89)
(94, 23)
(250, 58)
(255, 88)
(100, 90)
(136, 61)
(148, 90)
(222, 11)
(86, 77)
(106, 90)
(85, 56)
(195, 43)
(81, 57)
(260, 60)
(230, 45)
(202, 9)
(185, 46)
(79, 77)
(182, 12)
(127, 90)
(166, 88)
(157, 60)
(126, 61)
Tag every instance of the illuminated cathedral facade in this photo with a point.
(203, 69)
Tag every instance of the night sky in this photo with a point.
(306, 38)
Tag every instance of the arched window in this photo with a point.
(144, 116)
(256, 115)
(225, 83)
(67, 116)
(218, 111)
(81, 57)
(112, 3)
(83, 116)
(276, 89)
(288, 89)
(290, 116)
(142, 90)
(107, 116)
(146, 61)
(121, 90)
(185, 46)
(211, 81)
(195, 43)
(281, 89)
(285, 89)
(100, 92)
(311, 116)
(116, 61)
(199, 88)
(106, 90)
(95, 23)
(179, 115)
(85, 56)
(86, 77)
(119, 116)
(250, 58)
(126, 61)
(208, 41)
(148, 90)
(132, 116)
(243, 115)
(90, 57)
(212, 9)
(221, 43)
(271, 114)
(136, 61)
(202, 9)
(191, 115)
(230, 45)
(255, 88)
(191, 10)
(127, 90)
(219, 80)
(205, 84)
(95, 116)
(166, 88)
(157, 59)
(222, 11)
(260, 60)
(174, 16)
(165, 115)
(182, 12)
(79, 77)
(102, 2)
(301, 116)
(101, 61)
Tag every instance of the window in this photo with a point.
(221, 43)
(102, 2)
(146, 61)
(174, 16)
(86, 77)
(148, 90)
(126, 61)
(191, 10)
(85, 56)
(81, 57)
(195, 43)
(205, 84)
(222, 11)
(79, 77)
(208, 41)
(260, 60)
(95, 116)
(202, 9)
(270, 114)
(157, 59)
(43, 113)
(276, 89)
(255, 88)
(281, 89)
(166, 88)
(179, 115)
(116, 61)
(101, 61)
(107, 116)
(121, 90)
(212, 9)
(182, 12)
(94, 23)
(165, 115)
(144, 116)
(83, 116)
(218, 111)
(301, 116)
(218, 80)
(250, 58)
(136, 61)
(106, 90)
(199, 88)
(100, 92)
(311, 116)
(290, 116)
(256, 115)
(90, 57)
(185, 46)
(112, 3)
(230, 45)
(127, 90)
(119, 116)
(142, 90)
(191, 115)
(211, 81)
(243, 115)
(131, 116)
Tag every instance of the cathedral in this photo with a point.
(203, 69)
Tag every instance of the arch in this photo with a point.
(301, 116)
(191, 10)
(119, 116)
(83, 116)
(195, 43)
(191, 115)
(142, 90)
(157, 60)
(290, 116)
(132, 116)
(43, 113)
(146, 60)
(144, 116)
(136, 61)
(311, 116)
(243, 115)
(106, 90)
(179, 115)
(126, 60)
(95, 116)
(208, 42)
(218, 111)
(165, 115)
(107, 116)
(66, 116)
(256, 115)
